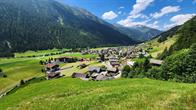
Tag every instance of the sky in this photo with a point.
(159, 14)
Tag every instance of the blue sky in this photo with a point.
(160, 14)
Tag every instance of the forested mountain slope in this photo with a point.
(186, 36)
(43, 24)
(139, 33)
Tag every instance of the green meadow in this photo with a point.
(120, 94)
(74, 94)
(18, 69)
(39, 52)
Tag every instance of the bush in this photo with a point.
(22, 82)
(180, 67)
(126, 71)
(154, 73)
(5, 76)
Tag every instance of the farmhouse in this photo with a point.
(114, 61)
(52, 71)
(94, 69)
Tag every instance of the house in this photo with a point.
(114, 61)
(94, 69)
(79, 75)
(112, 70)
(156, 62)
(52, 71)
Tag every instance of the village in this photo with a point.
(111, 62)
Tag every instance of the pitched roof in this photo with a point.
(94, 69)
(50, 65)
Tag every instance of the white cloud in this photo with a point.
(131, 23)
(165, 10)
(179, 20)
(154, 25)
(139, 7)
(109, 15)
(194, 1)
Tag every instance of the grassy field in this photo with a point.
(53, 51)
(17, 69)
(121, 94)
(158, 48)
(40, 52)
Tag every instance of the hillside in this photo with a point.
(126, 94)
(186, 36)
(175, 39)
(139, 33)
(44, 24)
(168, 34)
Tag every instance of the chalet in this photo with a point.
(156, 62)
(94, 69)
(112, 70)
(114, 61)
(52, 71)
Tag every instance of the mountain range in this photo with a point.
(139, 32)
(44, 24)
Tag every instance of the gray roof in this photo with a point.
(155, 61)
(78, 75)
(101, 77)
(94, 69)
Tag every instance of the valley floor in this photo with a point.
(120, 94)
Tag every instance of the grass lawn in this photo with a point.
(121, 94)
(158, 48)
